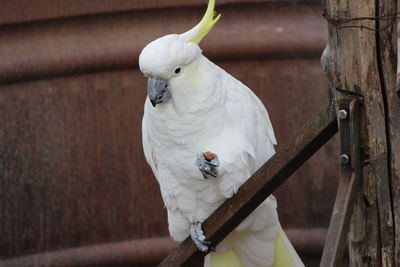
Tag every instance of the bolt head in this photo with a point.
(344, 159)
(342, 114)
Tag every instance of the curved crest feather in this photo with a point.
(196, 34)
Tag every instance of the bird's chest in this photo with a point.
(178, 139)
(186, 133)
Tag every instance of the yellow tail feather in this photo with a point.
(226, 259)
(285, 255)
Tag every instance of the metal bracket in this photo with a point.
(349, 129)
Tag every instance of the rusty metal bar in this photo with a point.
(308, 242)
(349, 125)
(269, 177)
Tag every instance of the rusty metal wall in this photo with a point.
(72, 170)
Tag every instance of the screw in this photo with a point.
(344, 159)
(342, 114)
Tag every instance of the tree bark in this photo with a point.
(360, 60)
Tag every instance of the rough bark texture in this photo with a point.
(362, 62)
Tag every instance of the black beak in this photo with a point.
(157, 91)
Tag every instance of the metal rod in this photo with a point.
(350, 176)
(262, 184)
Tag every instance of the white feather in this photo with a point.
(209, 111)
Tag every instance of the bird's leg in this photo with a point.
(208, 164)
(199, 239)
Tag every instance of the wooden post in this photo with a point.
(360, 60)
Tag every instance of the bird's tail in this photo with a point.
(285, 255)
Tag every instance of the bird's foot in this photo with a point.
(208, 164)
(199, 239)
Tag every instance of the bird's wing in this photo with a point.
(148, 146)
(254, 108)
(251, 119)
(264, 121)
(251, 144)
(249, 138)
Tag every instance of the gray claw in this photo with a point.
(199, 239)
(207, 168)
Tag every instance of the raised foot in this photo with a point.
(199, 239)
(207, 163)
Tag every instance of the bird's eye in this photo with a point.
(177, 70)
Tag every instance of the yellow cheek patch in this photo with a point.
(191, 74)
(207, 23)
(192, 78)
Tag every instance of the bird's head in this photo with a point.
(170, 58)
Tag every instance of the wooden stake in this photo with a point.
(361, 62)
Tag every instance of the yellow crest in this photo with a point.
(206, 24)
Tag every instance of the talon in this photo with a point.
(199, 239)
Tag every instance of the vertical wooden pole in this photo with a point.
(360, 59)
(387, 58)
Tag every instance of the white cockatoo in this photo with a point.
(204, 134)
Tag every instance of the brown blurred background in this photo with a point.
(72, 170)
